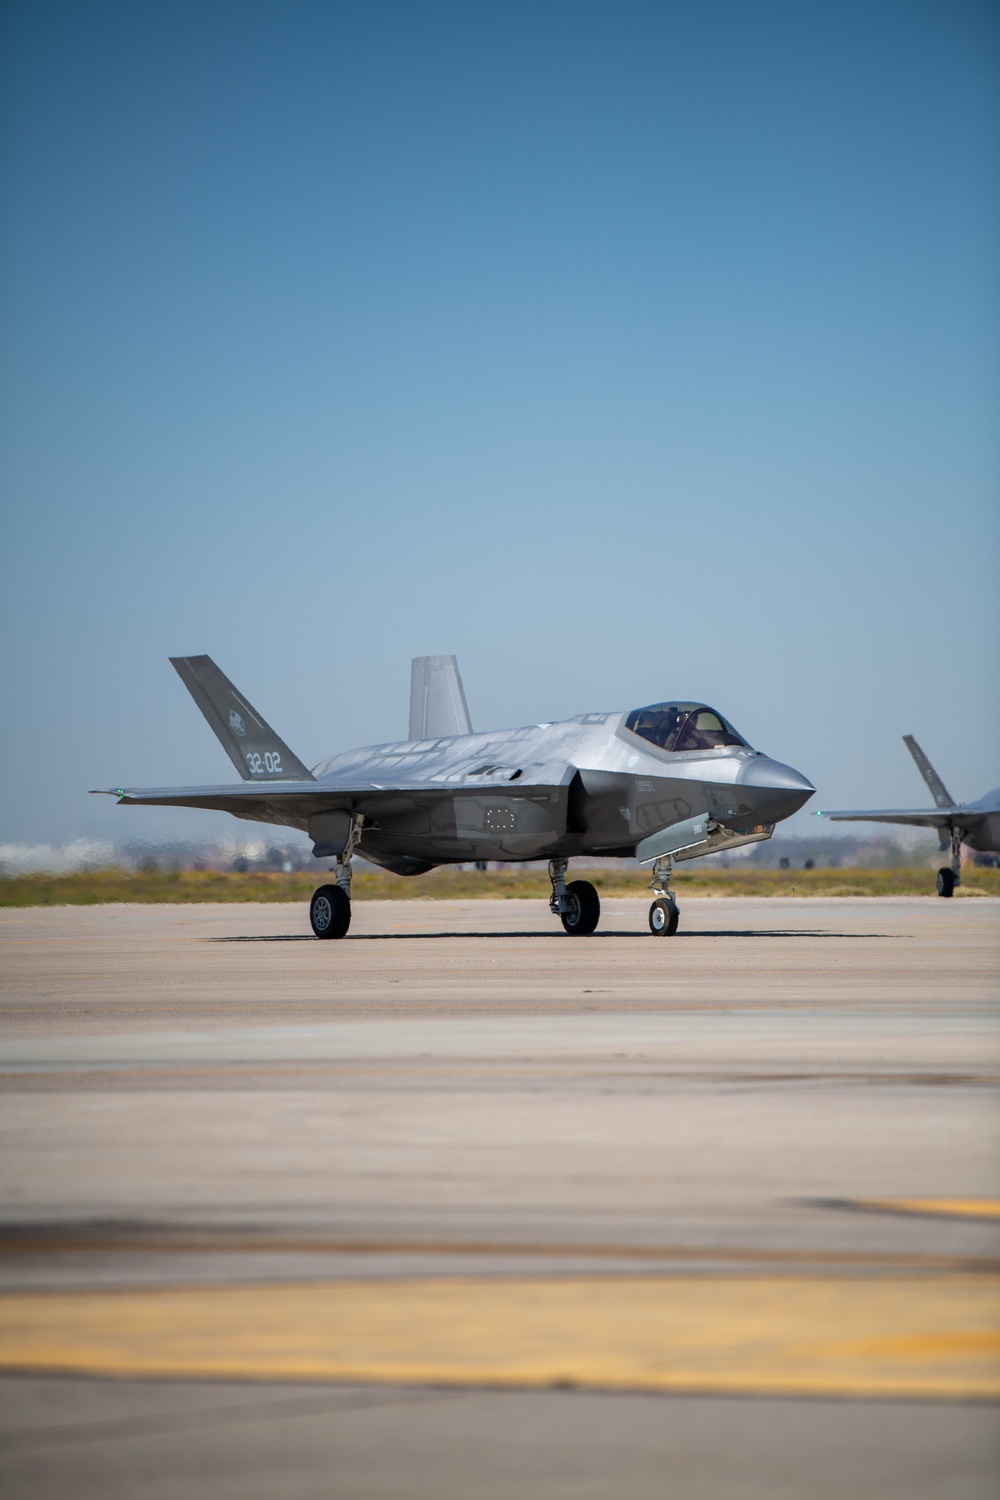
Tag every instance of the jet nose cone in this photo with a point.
(776, 790)
(762, 771)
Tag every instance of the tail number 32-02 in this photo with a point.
(271, 763)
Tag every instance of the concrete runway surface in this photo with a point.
(461, 1206)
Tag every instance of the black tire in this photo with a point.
(946, 881)
(663, 917)
(330, 912)
(584, 909)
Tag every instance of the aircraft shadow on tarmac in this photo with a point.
(409, 937)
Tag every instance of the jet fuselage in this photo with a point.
(583, 786)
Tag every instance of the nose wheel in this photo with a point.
(663, 914)
(663, 917)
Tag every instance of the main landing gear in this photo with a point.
(330, 907)
(577, 905)
(949, 878)
(663, 914)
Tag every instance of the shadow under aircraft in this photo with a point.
(669, 781)
(976, 824)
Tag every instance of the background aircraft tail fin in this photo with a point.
(437, 699)
(251, 744)
(942, 797)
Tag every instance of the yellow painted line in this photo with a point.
(918, 1336)
(951, 1208)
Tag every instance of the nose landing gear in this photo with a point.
(663, 914)
(577, 905)
(663, 917)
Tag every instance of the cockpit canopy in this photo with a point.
(682, 726)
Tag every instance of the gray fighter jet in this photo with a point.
(667, 782)
(976, 824)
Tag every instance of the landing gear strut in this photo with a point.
(577, 905)
(330, 907)
(663, 914)
(948, 879)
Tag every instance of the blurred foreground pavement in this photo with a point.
(463, 1207)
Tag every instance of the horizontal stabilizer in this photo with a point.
(251, 744)
(437, 700)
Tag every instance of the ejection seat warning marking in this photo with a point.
(923, 1336)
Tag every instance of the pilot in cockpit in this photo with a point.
(682, 727)
(701, 732)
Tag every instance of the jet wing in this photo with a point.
(249, 800)
(919, 817)
(293, 803)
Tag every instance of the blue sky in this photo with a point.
(630, 351)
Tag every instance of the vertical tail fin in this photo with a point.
(251, 744)
(437, 700)
(940, 793)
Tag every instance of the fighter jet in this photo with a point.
(976, 824)
(669, 781)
